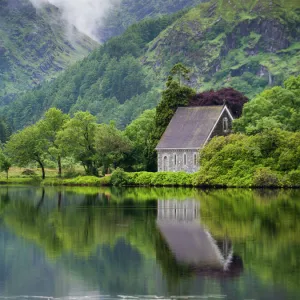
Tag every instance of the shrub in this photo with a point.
(106, 180)
(119, 177)
(294, 177)
(144, 178)
(28, 172)
(265, 177)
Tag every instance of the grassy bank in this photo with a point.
(149, 179)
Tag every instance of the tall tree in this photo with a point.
(180, 72)
(111, 144)
(50, 125)
(173, 96)
(139, 133)
(78, 139)
(26, 146)
(5, 163)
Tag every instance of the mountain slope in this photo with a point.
(34, 46)
(231, 43)
(132, 11)
(225, 43)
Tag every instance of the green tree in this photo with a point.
(78, 139)
(278, 107)
(4, 131)
(139, 133)
(111, 144)
(180, 72)
(50, 125)
(173, 96)
(26, 146)
(5, 163)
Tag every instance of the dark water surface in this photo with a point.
(90, 243)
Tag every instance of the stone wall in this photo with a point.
(178, 160)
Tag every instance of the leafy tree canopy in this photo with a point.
(278, 107)
(27, 146)
(77, 138)
(229, 96)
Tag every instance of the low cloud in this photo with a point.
(86, 15)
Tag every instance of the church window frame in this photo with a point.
(195, 159)
(165, 163)
(225, 124)
(184, 159)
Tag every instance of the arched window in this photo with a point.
(165, 163)
(195, 159)
(184, 159)
(225, 124)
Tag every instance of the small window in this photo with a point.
(225, 124)
(195, 159)
(175, 159)
(184, 158)
(165, 164)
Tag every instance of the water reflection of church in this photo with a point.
(191, 244)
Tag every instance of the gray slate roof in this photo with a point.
(190, 127)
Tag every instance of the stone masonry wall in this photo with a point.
(173, 160)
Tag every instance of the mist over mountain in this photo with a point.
(86, 15)
(35, 46)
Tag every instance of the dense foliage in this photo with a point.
(57, 136)
(132, 11)
(278, 107)
(111, 83)
(121, 178)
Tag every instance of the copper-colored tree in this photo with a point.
(229, 96)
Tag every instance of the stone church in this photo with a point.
(188, 131)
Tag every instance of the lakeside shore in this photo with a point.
(127, 179)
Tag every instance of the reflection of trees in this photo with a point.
(105, 235)
(264, 226)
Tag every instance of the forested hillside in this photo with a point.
(132, 11)
(34, 46)
(248, 46)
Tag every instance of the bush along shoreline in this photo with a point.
(261, 177)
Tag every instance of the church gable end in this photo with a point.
(223, 125)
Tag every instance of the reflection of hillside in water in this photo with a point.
(191, 244)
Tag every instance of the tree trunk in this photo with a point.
(43, 169)
(59, 167)
(6, 175)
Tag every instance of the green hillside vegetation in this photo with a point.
(132, 11)
(111, 83)
(34, 46)
(247, 46)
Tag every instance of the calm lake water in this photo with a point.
(91, 243)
